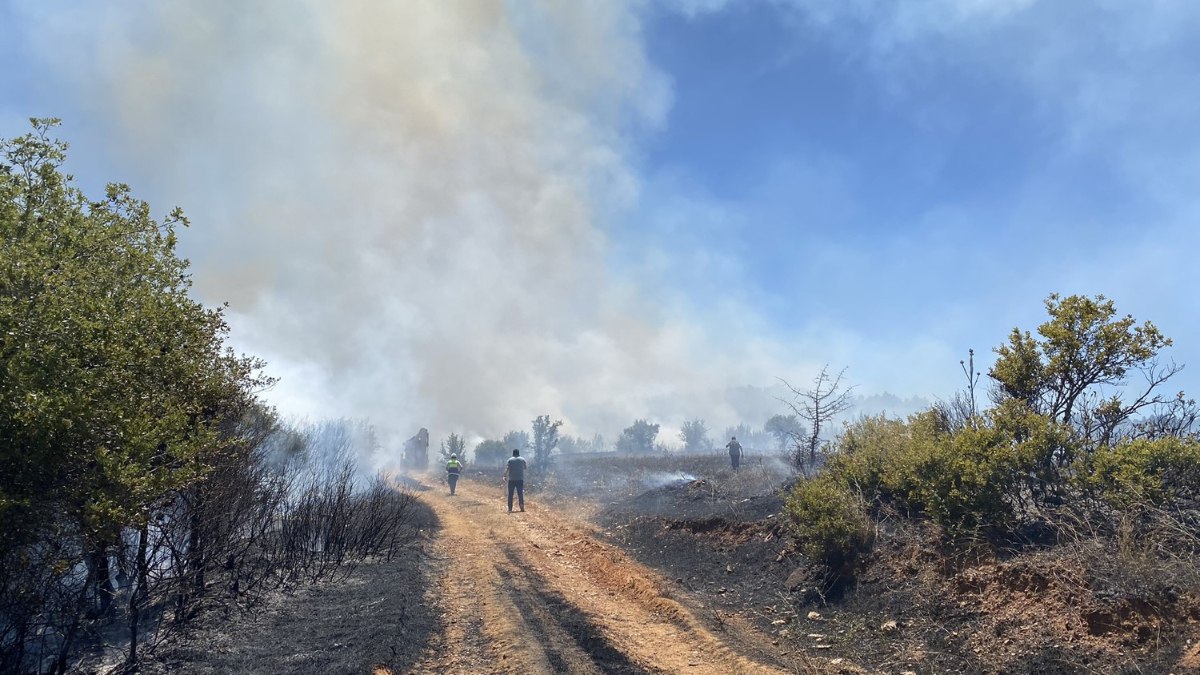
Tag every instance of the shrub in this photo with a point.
(960, 480)
(1158, 471)
(829, 522)
(978, 476)
(963, 481)
(1043, 444)
(867, 452)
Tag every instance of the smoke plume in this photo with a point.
(408, 205)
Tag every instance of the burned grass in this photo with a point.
(1031, 611)
(373, 620)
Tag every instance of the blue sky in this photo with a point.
(608, 206)
(945, 181)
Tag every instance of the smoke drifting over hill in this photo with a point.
(406, 204)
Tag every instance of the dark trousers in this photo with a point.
(517, 486)
(453, 477)
(735, 460)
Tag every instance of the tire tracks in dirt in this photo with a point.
(536, 592)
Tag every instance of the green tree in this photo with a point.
(787, 430)
(576, 444)
(545, 439)
(694, 434)
(491, 453)
(453, 445)
(638, 438)
(516, 440)
(113, 381)
(1084, 348)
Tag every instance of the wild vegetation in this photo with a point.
(638, 438)
(140, 476)
(1072, 444)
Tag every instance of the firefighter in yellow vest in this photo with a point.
(453, 469)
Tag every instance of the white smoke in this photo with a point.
(657, 479)
(406, 203)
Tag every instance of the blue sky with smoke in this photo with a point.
(914, 178)
(466, 214)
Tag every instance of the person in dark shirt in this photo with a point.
(735, 452)
(514, 473)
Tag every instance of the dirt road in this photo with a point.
(536, 592)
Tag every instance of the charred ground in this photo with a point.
(721, 550)
(1037, 605)
(374, 614)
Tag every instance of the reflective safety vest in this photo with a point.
(453, 466)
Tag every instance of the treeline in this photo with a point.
(538, 446)
(1074, 435)
(140, 476)
(781, 435)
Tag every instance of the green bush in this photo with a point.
(865, 455)
(961, 480)
(979, 477)
(829, 522)
(1158, 471)
(975, 477)
(964, 481)
(1042, 444)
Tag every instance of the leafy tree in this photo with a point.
(597, 444)
(638, 438)
(111, 372)
(491, 453)
(576, 444)
(453, 445)
(694, 435)
(751, 439)
(113, 381)
(545, 439)
(787, 430)
(1082, 349)
(517, 440)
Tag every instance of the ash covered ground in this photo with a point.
(913, 606)
(719, 540)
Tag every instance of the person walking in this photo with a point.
(453, 469)
(735, 452)
(514, 473)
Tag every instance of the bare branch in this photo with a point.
(818, 406)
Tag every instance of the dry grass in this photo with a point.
(1143, 555)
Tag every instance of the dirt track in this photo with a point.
(535, 592)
